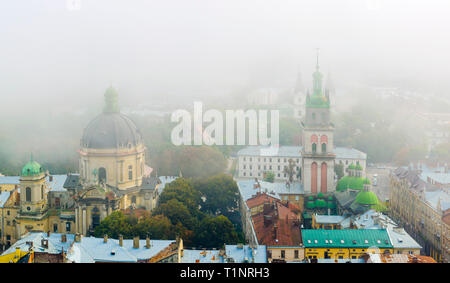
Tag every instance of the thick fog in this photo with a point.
(57, 57)
(61, 53)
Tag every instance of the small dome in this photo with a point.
(32, 168)
(367, 198)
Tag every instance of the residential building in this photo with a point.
(345, 244)
(421, 208)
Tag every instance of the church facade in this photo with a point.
(112, 176)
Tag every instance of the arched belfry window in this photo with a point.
(28, 194)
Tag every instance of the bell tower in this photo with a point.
(32, 215)
(317, 139)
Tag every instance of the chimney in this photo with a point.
(44, 243)
(105, 238)
(147, 242)
(136, 242)
(77, 237)
(121, 240)
(63, 238)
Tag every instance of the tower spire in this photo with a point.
(317, 64)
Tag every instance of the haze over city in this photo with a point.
(118, 140)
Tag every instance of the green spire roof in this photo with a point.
(32, 168)
(367, 198)
(317, 100)
(111, 101)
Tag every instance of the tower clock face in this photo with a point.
(147, 196)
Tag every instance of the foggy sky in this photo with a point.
(58, 57)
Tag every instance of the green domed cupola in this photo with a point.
(367, 198)
(32, 168)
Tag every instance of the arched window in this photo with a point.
(28, 194)
(324, 147)
(130, 172)
(133, 199)
(314, 148)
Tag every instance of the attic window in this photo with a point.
(354, 242)
(326, 241)
(315, 241)
(309, 241)
(342, 241)
(378, 241)
(366, 241)
(331, 241)
(113, 252)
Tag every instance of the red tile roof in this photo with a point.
(260, 199)
(277, 225)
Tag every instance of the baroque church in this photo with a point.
(112, 176)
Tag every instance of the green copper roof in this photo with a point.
(32, 168)
(111, 101)
(346, 238)
(310, 204)
(367, 198)
(349, 182)
(331, 204)
(320, 203)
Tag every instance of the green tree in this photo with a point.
(290, 170)
(176, 212)
(116, 224)
(269, 176)
(339, 170)
(213, 232)
(157, 227)
(220, 194)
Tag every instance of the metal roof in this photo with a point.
(348, 238)
(247, 190)
(91, 249)
(55, 246)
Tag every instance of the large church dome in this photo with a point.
(111, 129)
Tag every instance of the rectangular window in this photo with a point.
(130, 172)
(296, 254)
(67, 226)
(283, 255)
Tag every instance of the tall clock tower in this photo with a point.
(317, 140)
